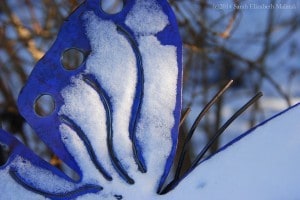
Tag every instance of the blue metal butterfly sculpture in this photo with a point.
(116, 116)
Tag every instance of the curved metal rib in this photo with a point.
(90, 80)
(69, 122)
(138, 99)
(89, 188)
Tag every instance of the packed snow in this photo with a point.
(146, 18)
(262, 165)
(43, 179)
(76, 101)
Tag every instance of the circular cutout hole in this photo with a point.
(72, 59)
(44, 105)
(112, 6)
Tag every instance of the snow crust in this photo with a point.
(157, 118)
(146, 17)
(80, 103)
(43, 179)
(113, 63)
(13, 191)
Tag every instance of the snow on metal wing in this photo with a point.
(116, 115)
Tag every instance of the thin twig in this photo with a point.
(184, 116)
(228, 30)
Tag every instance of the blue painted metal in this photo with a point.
(18, 149)
(50, 77)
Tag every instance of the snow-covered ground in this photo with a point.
(263, 164)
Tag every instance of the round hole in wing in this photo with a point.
(44, 105)
(72, 58)
(111, 6)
